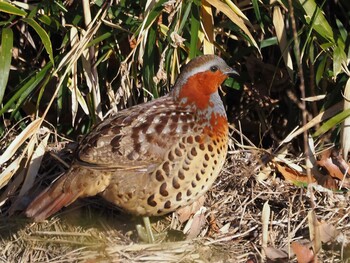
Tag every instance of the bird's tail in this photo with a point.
(52, 199)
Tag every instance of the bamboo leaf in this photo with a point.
(10, 9)
(43, 36)
(317, 20)
(195, 24)
(332, 122)
(28, 86)
(222, 7)
(20, 139)
(345, 129)
(208, 27)
(281, 33)
(339, 59)
(5, 59)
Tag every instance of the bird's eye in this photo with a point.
(213, 68)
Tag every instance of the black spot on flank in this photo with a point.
(178, 152)
(206, 157)
(210, 148)
(194, 151)
(182, 146)
(166, 168)
(198, 178)
(188, 193)
(159, 176)
(179, 196)
(181, 175)
(163, 190)
(197, 138)
(151, 202)
(190, 139)
(171, 156)
(201, 146)
(215, 162)
(193, 183)
(176, 184)
(167, 204)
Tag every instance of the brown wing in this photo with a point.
(137, 137)
(128, 146)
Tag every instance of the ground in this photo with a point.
(230, 229)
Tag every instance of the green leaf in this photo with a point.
(317, 20)
(232, 83)
(153, 14)
(332, 122)
(320, 70)
(43, 36)
(29, 84)
(10, 9)
(268, 42)
(257, 14)
(186, 12)
(149, 61)
(342, 30)
(339, 58)
(5, 59)
(195, 25)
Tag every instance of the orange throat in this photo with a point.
(199, 88)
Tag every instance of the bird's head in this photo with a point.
(200, 78)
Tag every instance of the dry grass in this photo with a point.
(94, 231)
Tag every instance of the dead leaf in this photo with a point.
(292, 175)
(196, 224)
(327, 162)
(274, 253)
(304, 254)
(328, 232)
(184, 213)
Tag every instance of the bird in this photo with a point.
(152, 158)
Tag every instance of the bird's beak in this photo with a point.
(230, 72)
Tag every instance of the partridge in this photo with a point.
(152, 158)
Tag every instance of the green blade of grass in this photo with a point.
(5, 59)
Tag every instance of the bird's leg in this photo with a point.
(147, 235)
